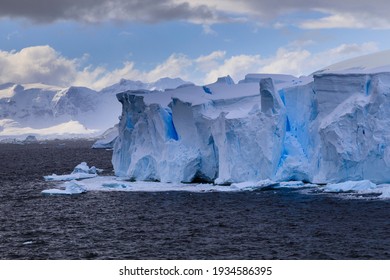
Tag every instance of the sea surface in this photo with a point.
(271, 224)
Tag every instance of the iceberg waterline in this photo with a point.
(329, 128)
(353, 189)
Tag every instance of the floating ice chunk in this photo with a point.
(70, 188)
(84, 168)
(30, 139)
(385, 190)
(254, 185)
(81, 171)
(69, 177)
(113, 185)
(291, 184)
(364, 186)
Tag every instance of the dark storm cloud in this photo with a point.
(370, 13)
(102, 10)
(271, 9)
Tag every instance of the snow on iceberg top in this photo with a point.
(222, 90)
(160, 85)
(367, 64)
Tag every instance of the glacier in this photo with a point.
(324, 128)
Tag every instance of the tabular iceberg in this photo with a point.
(330, 127)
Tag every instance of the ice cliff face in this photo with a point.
(353, 127)
(325, 128)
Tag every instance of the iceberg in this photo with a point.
(81, 171)
(328, 128)
(70, 188)
(351, 186)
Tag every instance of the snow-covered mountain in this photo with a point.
(49, 111)
(333, 126)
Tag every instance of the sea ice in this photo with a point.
(254, 185)
(70, 188)
(364, 186)
(81, 171)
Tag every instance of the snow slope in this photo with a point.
(371, 63)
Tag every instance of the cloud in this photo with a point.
(211, 61)
(347, 20)
(37, 64)
(287, 60)
(208, 30)
(328, 14)
(93, 11)
(43, 64)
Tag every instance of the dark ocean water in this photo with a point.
(282, 224)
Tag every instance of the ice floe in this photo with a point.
(81, 171)
(69, 188)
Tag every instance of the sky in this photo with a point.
(95, 43)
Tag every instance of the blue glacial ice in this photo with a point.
(328, 128)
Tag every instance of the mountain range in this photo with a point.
(49, 111)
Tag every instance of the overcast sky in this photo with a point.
(95, 43)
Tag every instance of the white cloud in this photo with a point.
(346, 20)
(37, 64)
(43, 64)
(235, 66)
(177, 65)
(208, 30)
(287, 60)
(211, 61)
(348, 49)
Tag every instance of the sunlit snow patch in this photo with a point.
(70, 188)
(81, 171)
